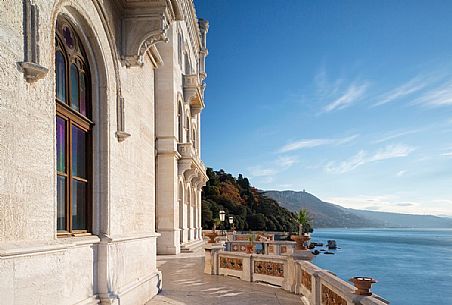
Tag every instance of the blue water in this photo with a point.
(412, 266)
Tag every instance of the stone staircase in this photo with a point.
(192, 246)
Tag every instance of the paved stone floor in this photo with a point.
(184, 283)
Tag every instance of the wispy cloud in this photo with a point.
(354, 92)
(286, 161)
(395, 203)
(447, 154)
(259, 171)
(401, 173)
(363, 157)
(282, 163)
(439, 96)
(311, 143)
(398, 134)
(412, 86)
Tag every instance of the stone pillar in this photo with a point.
(191, 229)
(211, 264)
(188, 207)
(167, 205)
(198, 194)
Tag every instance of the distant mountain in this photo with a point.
(329, 215)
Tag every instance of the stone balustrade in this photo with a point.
(263, 247)
(293, 273)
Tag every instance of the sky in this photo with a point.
(349, 100)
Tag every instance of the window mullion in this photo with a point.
(69, 185)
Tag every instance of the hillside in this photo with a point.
(251, 209)
(331, 215)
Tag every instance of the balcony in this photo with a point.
(194, 92)
(190, 165)
(144, 23)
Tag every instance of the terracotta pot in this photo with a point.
(363, 284)
(211, 236)
(301, 241)
(249, 248)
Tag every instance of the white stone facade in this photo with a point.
(146, 180)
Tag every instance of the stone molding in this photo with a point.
(139, 33)
(31, 68)
(193, 93)
(190, 166)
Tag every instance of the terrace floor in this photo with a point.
(184, 283)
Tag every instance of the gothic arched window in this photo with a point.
(180, 130)
(73, 132)
(187, 130)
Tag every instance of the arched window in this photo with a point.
(194, 138)
(187, 130)
(180, 130)
(73, 132)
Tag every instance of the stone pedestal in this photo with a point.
(305, 255)
(211, 258)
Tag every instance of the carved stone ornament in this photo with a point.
(140, 31)
(31, 68)
(269, 268)
(329, 297)
(231, 263)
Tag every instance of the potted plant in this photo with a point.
(304, 228)
(212, 235)
(250, 245)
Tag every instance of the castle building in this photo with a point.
(100, 152)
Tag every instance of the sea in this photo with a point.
(412, 266)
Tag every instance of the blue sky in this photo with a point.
(350, 100)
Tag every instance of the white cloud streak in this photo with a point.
(363, 157)
(311, 143)
(281, 164)
(439, 96)
(399, 134)
(412, 86)
(447, 154)
(395, 204)
(354, 92)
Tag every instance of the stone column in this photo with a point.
(167, 204)
(198, 194)
(188, 207)
(191, 229)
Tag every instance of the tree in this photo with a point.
(304, 221)
(256, 221)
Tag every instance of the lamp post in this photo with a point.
(231, 222)
(222, 216)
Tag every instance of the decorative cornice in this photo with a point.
(140, 32)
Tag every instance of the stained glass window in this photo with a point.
(82, 105)
(60, 69)
(78, 152)
(73, 132)
(68, 38)
(61, 203)
(74, 88)
(61, 144)
(78, 205)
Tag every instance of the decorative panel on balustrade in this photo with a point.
(329, 297)
(238, 247)
(306, 280)
(269, 268)
(231, 263)
(283, 249)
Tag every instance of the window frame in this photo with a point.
(74, 118)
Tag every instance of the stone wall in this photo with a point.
(117, 262)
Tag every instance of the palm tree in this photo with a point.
(304, 221)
